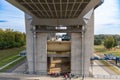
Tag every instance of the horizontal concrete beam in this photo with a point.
(59, 55)
(57, 22)
(58, 46)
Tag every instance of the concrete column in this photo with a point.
(76, 53)
(88, 44)
(41, 53)
(29, 44)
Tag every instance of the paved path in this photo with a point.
(98, 69)
(20, 69)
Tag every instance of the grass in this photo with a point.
(7, 60)
(100, 50)
(10, 52)
(12, 65)
(9, 55)
(110, 67)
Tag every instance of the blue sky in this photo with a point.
(11, 17)
(107, 17)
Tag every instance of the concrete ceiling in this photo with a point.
(62, 9)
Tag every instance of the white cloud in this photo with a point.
(107, 15)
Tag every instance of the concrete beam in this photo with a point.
(57, 22)
(59, 55)
(91, 5)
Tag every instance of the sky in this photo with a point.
(107, 17)
(11, 17)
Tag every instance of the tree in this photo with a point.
(115, 43)
(109, 42)
(97, 42)
(11, 39)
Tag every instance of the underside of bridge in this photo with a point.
(46, 17)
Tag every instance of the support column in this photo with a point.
(41, 53)
(88, 44)
(29, 44)
(76, 53)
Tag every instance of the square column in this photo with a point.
(88, 44)
(41, 53)
(29, 44)
(76, 53)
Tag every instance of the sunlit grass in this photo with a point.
(110, 67)
(100, 50)
(8, 55)
(12, 65)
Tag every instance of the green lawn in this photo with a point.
(100, 50)
(9, 55)
(12, 65)
(110, 67)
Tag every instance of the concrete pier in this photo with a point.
(75, 17)
(41, 53)
(76, 53)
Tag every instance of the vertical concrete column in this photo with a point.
(29, 43)
(76, 53)
(88, 44)
(41, 53)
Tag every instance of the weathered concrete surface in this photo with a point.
(29, 44)
(76, 53)
(88, 45)
(41, 53)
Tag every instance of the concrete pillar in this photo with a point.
(29, 44)
(76, 53)
(88, 44)
(41, 53)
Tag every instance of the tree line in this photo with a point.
(108, 41)
(11, 39)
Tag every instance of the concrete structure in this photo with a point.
(42, 16)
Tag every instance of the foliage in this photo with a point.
(97, 42)
(11, 39)
(109, 42)
(99, 39)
